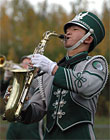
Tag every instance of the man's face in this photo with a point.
(73, 34)
(25, 63)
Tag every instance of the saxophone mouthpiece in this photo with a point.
(61, 36)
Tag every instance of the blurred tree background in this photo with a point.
(21, 29)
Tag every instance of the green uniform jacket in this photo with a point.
(72, 94)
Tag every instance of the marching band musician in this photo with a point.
(19, 130)
(72, 86)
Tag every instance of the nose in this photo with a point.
(68, 32)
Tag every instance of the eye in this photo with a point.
(75, 29)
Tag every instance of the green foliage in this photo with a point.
(103, 108)
(101, 127)
(101, 120)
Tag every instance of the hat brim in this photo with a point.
(67, 25)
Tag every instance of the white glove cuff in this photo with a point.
(52, 65)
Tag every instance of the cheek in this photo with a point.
(77, 37)
(69, 43)
(73, 40)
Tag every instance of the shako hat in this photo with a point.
(88, 20)
(25, 56)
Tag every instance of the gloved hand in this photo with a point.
(7, 75)
(42, 62)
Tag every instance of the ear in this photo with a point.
(88, 40)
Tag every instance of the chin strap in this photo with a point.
(91, 31)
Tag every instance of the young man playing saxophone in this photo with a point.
(72, 86)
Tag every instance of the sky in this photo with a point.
(93, 4)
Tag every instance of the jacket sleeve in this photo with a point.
(35, 108)
(87, 79)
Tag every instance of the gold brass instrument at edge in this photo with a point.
(8, 65)
(2, 61)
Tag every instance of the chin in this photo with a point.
(67, 46)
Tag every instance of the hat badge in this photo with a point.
(80, 16)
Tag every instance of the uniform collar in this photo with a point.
(66, 61)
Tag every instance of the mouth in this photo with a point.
(66, 38)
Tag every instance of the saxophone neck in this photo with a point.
(41, 46)
(47, 34)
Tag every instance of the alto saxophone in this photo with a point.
(19, 92)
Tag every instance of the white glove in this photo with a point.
(42, 62)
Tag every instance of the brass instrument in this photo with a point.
(2, 61)
(19, 74)
(20, 88)
(14, 94)
(8, 65)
